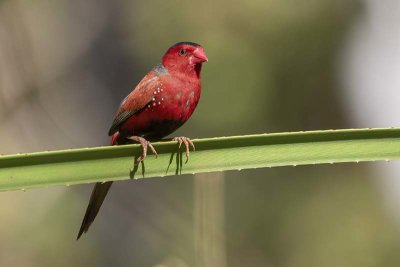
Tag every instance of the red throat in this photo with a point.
(197, 69)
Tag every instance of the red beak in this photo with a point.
(200, 55)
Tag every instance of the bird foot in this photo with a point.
(145, 144)
(186, 141)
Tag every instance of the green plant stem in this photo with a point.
(112, 163)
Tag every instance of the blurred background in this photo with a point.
(273, 66)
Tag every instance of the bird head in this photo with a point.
(185, 57)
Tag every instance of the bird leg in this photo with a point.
(144, 143)
(186, 141)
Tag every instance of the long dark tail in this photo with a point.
(99, 193)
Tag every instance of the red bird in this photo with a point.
(163, 100)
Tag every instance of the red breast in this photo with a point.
(167, 96)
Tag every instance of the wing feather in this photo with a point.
(138, 99)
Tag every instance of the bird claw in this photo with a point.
(188, 142)
(145, 144)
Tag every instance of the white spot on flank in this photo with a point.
(162, 89)
(154, 99)
(154, 104)
(155, 92)
(148, 106)
(159, 103)
(162, 98)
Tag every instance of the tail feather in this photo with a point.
(99, 193)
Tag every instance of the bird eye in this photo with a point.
(182, 52)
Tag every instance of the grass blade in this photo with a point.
(99, 164)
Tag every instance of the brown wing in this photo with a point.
(138, 99)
